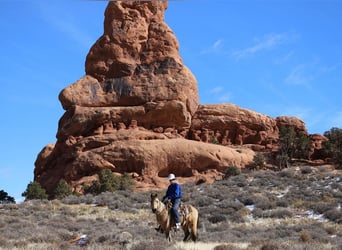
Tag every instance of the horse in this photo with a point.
(188, 221)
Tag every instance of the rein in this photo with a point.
(160, 207)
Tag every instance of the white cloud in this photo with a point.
(300, 75)
(219, 95)
(216, 90)
(267, 42)
(304, 74)
(225, 97)
(217, 44)
(214, 48)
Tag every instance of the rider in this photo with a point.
(174, 193)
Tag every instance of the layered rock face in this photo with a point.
(136, 63)
(136, 110)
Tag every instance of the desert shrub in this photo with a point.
(334, 215)
(231, 171)
(234, 205)
(264, 203)
(306, 170)
(302, 146)
(226, 247)
(246, 199)
(305, 236)
(279, 213)
(333, 147)
(259, 161)
(270, 246)
(282, 203)
(298, 203)
(34, 191)
(62, 190)
(216, 218)
(287, 136)
(330, 230)
(72, 199)
(257, 213)
(203, 201)
(239, 180)
(126, 182)
(286, 173)
(109, 182)
(291, 144)
(214, 140)
(322, 207)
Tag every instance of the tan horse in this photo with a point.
(188, 221)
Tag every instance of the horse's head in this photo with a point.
(154, 202)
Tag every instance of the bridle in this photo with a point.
(159, 207)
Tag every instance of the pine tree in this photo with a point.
(5, 198)
(34, 191)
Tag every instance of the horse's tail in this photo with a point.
(194, 233)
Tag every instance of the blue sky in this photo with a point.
(276, 57)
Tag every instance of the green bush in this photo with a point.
(287, 137)
(333, 148)
(109, 182)
(63, 189)
(259, 161)
(34, 191)
(231, 171)
(302, 146)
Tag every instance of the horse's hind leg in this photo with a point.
(194, 236)
(194, 232)
(186, 234)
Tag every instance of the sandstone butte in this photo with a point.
(136, 110)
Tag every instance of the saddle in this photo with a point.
(183, 209)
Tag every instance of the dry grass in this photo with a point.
(297, 208)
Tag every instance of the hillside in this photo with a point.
(296, 208)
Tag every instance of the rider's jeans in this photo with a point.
(176, 203)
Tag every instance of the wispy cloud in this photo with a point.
(299, 75)
(216, 47)
(224, 97)
(216, 90)
(220, 94)
(306, 73)
(267, 42)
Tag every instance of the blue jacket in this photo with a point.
(174, 191)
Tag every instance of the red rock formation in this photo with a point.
(295, 122)
(136, 110)
(136, 62)
(238, 125)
